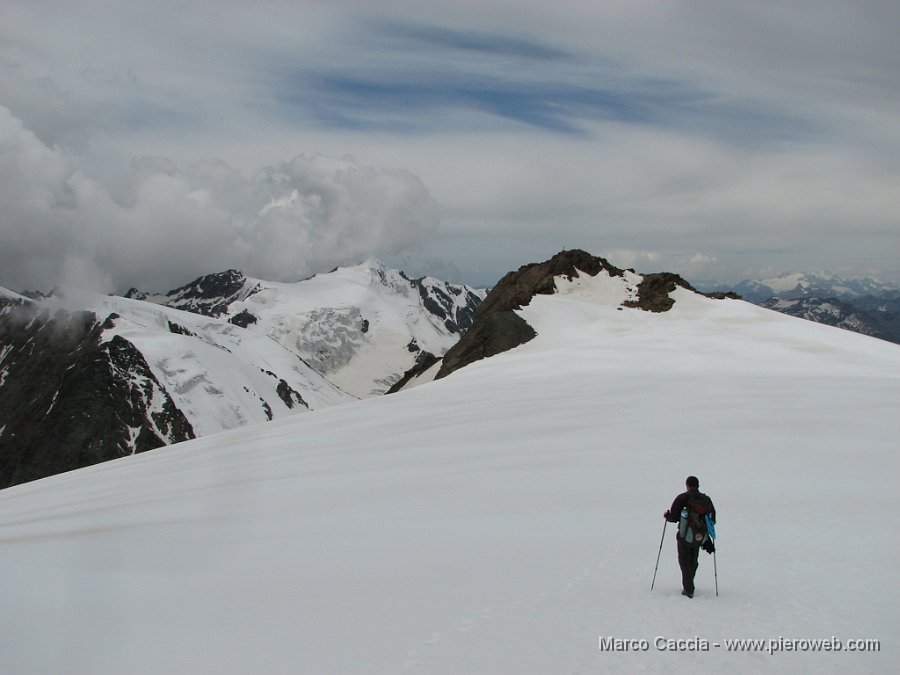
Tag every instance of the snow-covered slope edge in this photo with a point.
(496, 521)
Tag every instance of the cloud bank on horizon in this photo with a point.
(144, 145)
(158, 223)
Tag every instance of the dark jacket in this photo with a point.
(681, 501)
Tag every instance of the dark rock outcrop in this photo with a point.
(454, 305)
(289, 395)
(243, 319)
(653, 292)
(211, 295)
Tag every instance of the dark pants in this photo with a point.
(687, 560)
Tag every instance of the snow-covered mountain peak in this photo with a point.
(6, 294)
(371, 272)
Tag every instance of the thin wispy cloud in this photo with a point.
(423, 79)
(430, 37)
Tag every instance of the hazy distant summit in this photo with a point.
(794, 285)
(862, 305)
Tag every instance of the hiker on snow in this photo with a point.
(690, 510)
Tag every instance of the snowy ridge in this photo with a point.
(695, 328)
(6, 294)
(500, 520)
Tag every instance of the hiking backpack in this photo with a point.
(693, 524)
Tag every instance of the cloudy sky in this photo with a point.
(143, 144)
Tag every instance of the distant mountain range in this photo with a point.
(86, 377)
(865, 305)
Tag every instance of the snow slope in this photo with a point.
(500, 520)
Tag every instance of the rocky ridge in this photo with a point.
(497, 327)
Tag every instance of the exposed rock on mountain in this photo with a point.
(209, 295)
(69, 399)
(122, 376)
(455, 305)
(424, 361)
(654, 289)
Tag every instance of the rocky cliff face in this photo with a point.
(454, 305)
(69, 399)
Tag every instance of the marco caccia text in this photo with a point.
(660, 643)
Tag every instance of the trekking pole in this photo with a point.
(659, 554)
(711, 529)
(716, 570)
